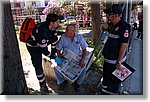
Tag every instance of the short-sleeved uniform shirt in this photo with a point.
(76, 46)
(112, 46)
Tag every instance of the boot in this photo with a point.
(43, 87)
(76, 86)
(62, 86)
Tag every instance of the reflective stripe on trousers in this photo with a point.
(41, 77)
(108, 92)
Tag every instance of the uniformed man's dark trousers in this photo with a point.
(36, 57)
(110, 84)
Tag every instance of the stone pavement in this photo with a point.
(134, 84)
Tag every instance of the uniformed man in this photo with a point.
(37, 44)
(115, 48)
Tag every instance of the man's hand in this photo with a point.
(81, 64)
(119, 66)
(104, 26)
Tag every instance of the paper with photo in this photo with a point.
(70, 68)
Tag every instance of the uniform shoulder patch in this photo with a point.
(43, 41)
(126, 34)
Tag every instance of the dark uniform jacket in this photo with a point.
(41, 37)
(117, 34)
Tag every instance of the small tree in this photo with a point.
(14, 80)
(95, 13)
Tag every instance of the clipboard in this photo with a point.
(122, 75)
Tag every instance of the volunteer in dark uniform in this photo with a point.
(37, 44)
(115, 48)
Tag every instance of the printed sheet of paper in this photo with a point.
(70, 68)
(122, 74)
